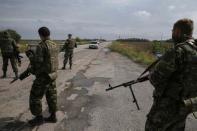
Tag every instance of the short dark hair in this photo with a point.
(69, 34)
(185, 25)
(44, 31)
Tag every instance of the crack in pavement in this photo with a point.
(4, 90)
(80, 80)
(78, 110)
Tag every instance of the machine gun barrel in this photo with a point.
(142, 79)
(130, 83)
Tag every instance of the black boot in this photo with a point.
(38, 120)
(4, 74)
(52, 118)
(70, 67)
(64, 67)
(16, 75)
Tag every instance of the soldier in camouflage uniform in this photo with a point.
(68, 47)
(44, 67)
(174, 78)
(8, 47)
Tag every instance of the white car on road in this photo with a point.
(94, 45)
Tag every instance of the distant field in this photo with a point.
(140, 52)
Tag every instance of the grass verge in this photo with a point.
(134, 52)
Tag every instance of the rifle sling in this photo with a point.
(149, 67)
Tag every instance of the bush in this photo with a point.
(78, 39)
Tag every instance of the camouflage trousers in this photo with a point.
(6, 58)
(42, 85)
(68, 56)
(166, 115)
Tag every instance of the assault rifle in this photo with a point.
(30, 54)
(22, 76)
(129, 84)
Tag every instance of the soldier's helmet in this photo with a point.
(69, 35)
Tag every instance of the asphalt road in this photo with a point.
(83, 103)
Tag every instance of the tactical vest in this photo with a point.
(52, 56)
(189, 73)
(7, 46)
(70, 44)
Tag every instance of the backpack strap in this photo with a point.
(191, 43)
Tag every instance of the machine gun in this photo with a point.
(129, 84)
(141, 78)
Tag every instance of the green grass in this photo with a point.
(139, 52)
(82, 42)
(23, 46)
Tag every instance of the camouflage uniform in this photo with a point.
(174, 78)
(191, 103)
(68, 48)
(8, 46)
(44, 67)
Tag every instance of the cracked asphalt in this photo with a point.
(83, 103)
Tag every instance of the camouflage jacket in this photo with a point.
(8, 45)
(172, 75)
(46, 58)
(70, 44)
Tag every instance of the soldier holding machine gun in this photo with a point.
(174, 78)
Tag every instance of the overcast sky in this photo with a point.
(109, 19)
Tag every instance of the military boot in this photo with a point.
(52, 118)
(38, 120)
(64, 67)
(4, 74)
(16, 75)
(70, 67)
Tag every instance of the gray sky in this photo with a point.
(109, 19)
